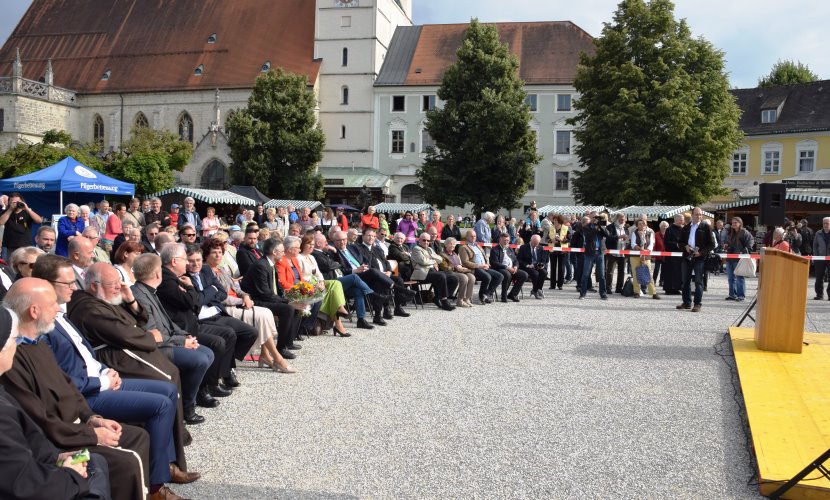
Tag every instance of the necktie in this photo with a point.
(274, 279)
(256, 253)
(352, 261)
(534, 255)
(198, 281)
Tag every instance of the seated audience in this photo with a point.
(45, 239)
(473, 257)
(503, 259)
(426, 268)
(533, 259)
(466, 278)
(23, 260)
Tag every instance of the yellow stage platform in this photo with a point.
(787, 399)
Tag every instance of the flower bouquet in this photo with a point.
(304, 294)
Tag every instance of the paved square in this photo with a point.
(553, 398)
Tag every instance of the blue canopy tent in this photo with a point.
(67, 181)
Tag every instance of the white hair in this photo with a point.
(69, 207)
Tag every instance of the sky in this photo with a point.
(753, 34)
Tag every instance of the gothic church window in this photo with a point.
(98, 130)
(186, 128)
(141, 121)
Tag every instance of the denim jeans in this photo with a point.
(587, 264)
(698, 267)
(737, 284)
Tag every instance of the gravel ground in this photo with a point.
(552, 398)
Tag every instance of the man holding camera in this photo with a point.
(18, 220)
(593, 237)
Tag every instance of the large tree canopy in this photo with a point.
(787, 73)
(655, 122)
(485, 151)
(275, 142)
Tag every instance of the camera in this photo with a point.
(20, 204)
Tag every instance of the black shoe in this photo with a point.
(191, 417)
(513, 298)
(404, 292)
(285, 353)
(445, 305)
(379, 321)
(400, 312)
(293, 347)
(818, 297)
(383, 298)
(231, 380)
(362, 323)
(218, 392)
(504, 298)
(437, 302)
(387, 314)
(204, 399)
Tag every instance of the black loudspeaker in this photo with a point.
(772, 204)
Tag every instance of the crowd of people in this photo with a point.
(139, 315)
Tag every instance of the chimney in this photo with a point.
(49, 76)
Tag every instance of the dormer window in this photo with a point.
(212, 38)
(106, 75)
(769, 115)
(266, 66)
(199, 70)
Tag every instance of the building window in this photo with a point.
(212, 38)
(344, 95)
(346, 21)
(411, 193)
(563, 142)
(426, 142)
(397, 144)
(106, 75)
(345, 56)
(739, 161)
(2, 119)
(806, 156)
(531, 100)
(214, 176)
(265, 66)
(199, 70)
(98, 130)
(769, 115)
(186, 128)
(141, 120)
(563, 102)
(398, 104)
(562, 181)
(428, 103)
(772, 162)
(342, 131)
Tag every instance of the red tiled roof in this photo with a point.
(548, 52)
(154, 45)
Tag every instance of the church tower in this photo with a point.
(352, 38)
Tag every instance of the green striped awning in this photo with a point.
(570, 209)
(395, 208)
(808, 197)
(655, 212)
(296, 203)
(209, 196)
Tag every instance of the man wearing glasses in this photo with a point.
(187, 235)
(149, 240)
(426, 263)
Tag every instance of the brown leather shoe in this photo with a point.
(165, 493)
(179, 476)
(696, 308)
(684, 306)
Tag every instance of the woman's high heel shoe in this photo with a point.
(336, 332)
(343, 315)
(287, 369)
(264, 362)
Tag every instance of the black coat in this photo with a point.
(589, 235)
(525, 256)
(497, 256)
(328, 263)
(374, 257)
(258, 281)
(180, 301)
(245, 256)
(704, 240)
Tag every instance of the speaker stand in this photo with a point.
(747, 312)
(817, 464)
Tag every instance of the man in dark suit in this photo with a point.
(212, 311)
(261, 283)
(150, 402)
(149, 237)
(373, 257)
(697, 242)
(353, 285)
(593, 234)
(533, 259)
(248, 252)
(181, 301)
(352, 262)
(503, 259)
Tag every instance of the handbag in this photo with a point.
(628, 288)
(745, 268)
(643, 274)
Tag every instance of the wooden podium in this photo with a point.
(782, 301)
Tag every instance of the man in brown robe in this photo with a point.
(50, 398)
(116, 332)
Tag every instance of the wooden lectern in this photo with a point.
(782, 301)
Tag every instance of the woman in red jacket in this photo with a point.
(370, 220)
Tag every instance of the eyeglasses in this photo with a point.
(188, 234)
(111, 284)
(30, 265)
(67, 284)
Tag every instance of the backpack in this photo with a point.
(628, 288)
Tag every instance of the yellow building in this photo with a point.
(787, 136)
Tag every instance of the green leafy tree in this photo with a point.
(56, 145)
(485, 150)
(787, 73)
(149, 158)
(655, 122)
(276, 142)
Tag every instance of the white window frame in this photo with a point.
(769, 115)
(556, 142)
(556, 180)
(391, 141)
(434, 102)
(421, 149)
(570, 103)
(774, 150)
(392, 103)
(532, 101)
(742, 151)
(807, 146)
